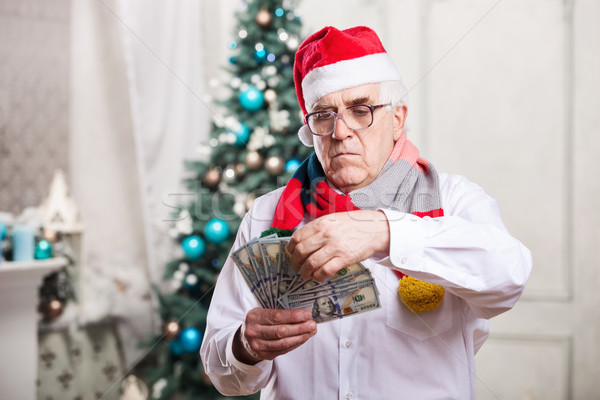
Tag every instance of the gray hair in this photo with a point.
(392, 92)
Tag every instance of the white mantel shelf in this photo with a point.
(19, 283)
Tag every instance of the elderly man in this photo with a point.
(366, 195)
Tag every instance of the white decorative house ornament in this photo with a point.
(59, 211)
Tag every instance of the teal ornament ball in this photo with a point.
(2, 230)
(193, 247)
(176, 348)
(216, 231)
(292, 165)
(190, 339)
(242, 135)
(260, 55)
(43, 250)
(252, 99)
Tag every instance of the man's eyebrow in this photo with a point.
(358, 100)
(347, 102)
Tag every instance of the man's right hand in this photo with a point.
(271, 333)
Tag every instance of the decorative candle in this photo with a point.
(23, 243)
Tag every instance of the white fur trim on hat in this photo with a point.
(372, 68)
(305, 136)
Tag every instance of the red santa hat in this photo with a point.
(332, 60)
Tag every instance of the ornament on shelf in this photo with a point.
(52, 309)
(60, 213)
(252, 99)
(270, 96)
(229, 174)
(254, 160)
(274, 165)
(292, 165)
(212, 177)
(190, 339)
(263, 18)
(216, 231)
(171, 330)
(43, 250)
(50, 235)
(193, 247)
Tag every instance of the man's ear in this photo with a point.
(399, 120)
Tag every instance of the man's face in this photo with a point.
(353, 159)
(324, 306)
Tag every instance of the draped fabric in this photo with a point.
(135, 114)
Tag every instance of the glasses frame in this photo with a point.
(337, 116)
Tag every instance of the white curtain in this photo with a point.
(136, 114)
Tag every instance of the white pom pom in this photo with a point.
(305, 136)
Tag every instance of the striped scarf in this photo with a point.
(406, 183)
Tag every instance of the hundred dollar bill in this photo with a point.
(361, 299)
(340, 275)
(270, 252)
(255, 255)
(333, 289)
(241, 259)
(335, 282)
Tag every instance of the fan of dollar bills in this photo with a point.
(267, 268)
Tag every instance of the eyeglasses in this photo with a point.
(358, 117)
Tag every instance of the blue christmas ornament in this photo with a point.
(242, 135)
(193, 247)
(292, 165)
(279, 12)
(232, 44)
(271, 57)
(252, 99)
(233, 60)
(43, 250)
(176, 348)
(2, 230)
(190, 339)
(260, 55)
(216, 231)
(215, 262)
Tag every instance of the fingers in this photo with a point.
(271, 333)
(264, 316)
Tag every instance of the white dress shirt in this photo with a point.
(388, 353)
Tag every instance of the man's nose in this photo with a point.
(341, 130)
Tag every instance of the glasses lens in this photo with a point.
(321, 123)
(358, 117)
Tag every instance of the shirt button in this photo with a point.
(348, 344)
(349, 396)
(403, 260)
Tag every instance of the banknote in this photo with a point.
(273, 278)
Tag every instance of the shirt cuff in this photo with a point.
(407, 241)
(255, 371)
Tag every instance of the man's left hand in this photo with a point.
(334, 241)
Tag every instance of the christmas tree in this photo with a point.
(253, 148)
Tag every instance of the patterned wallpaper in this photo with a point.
(34, 99)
